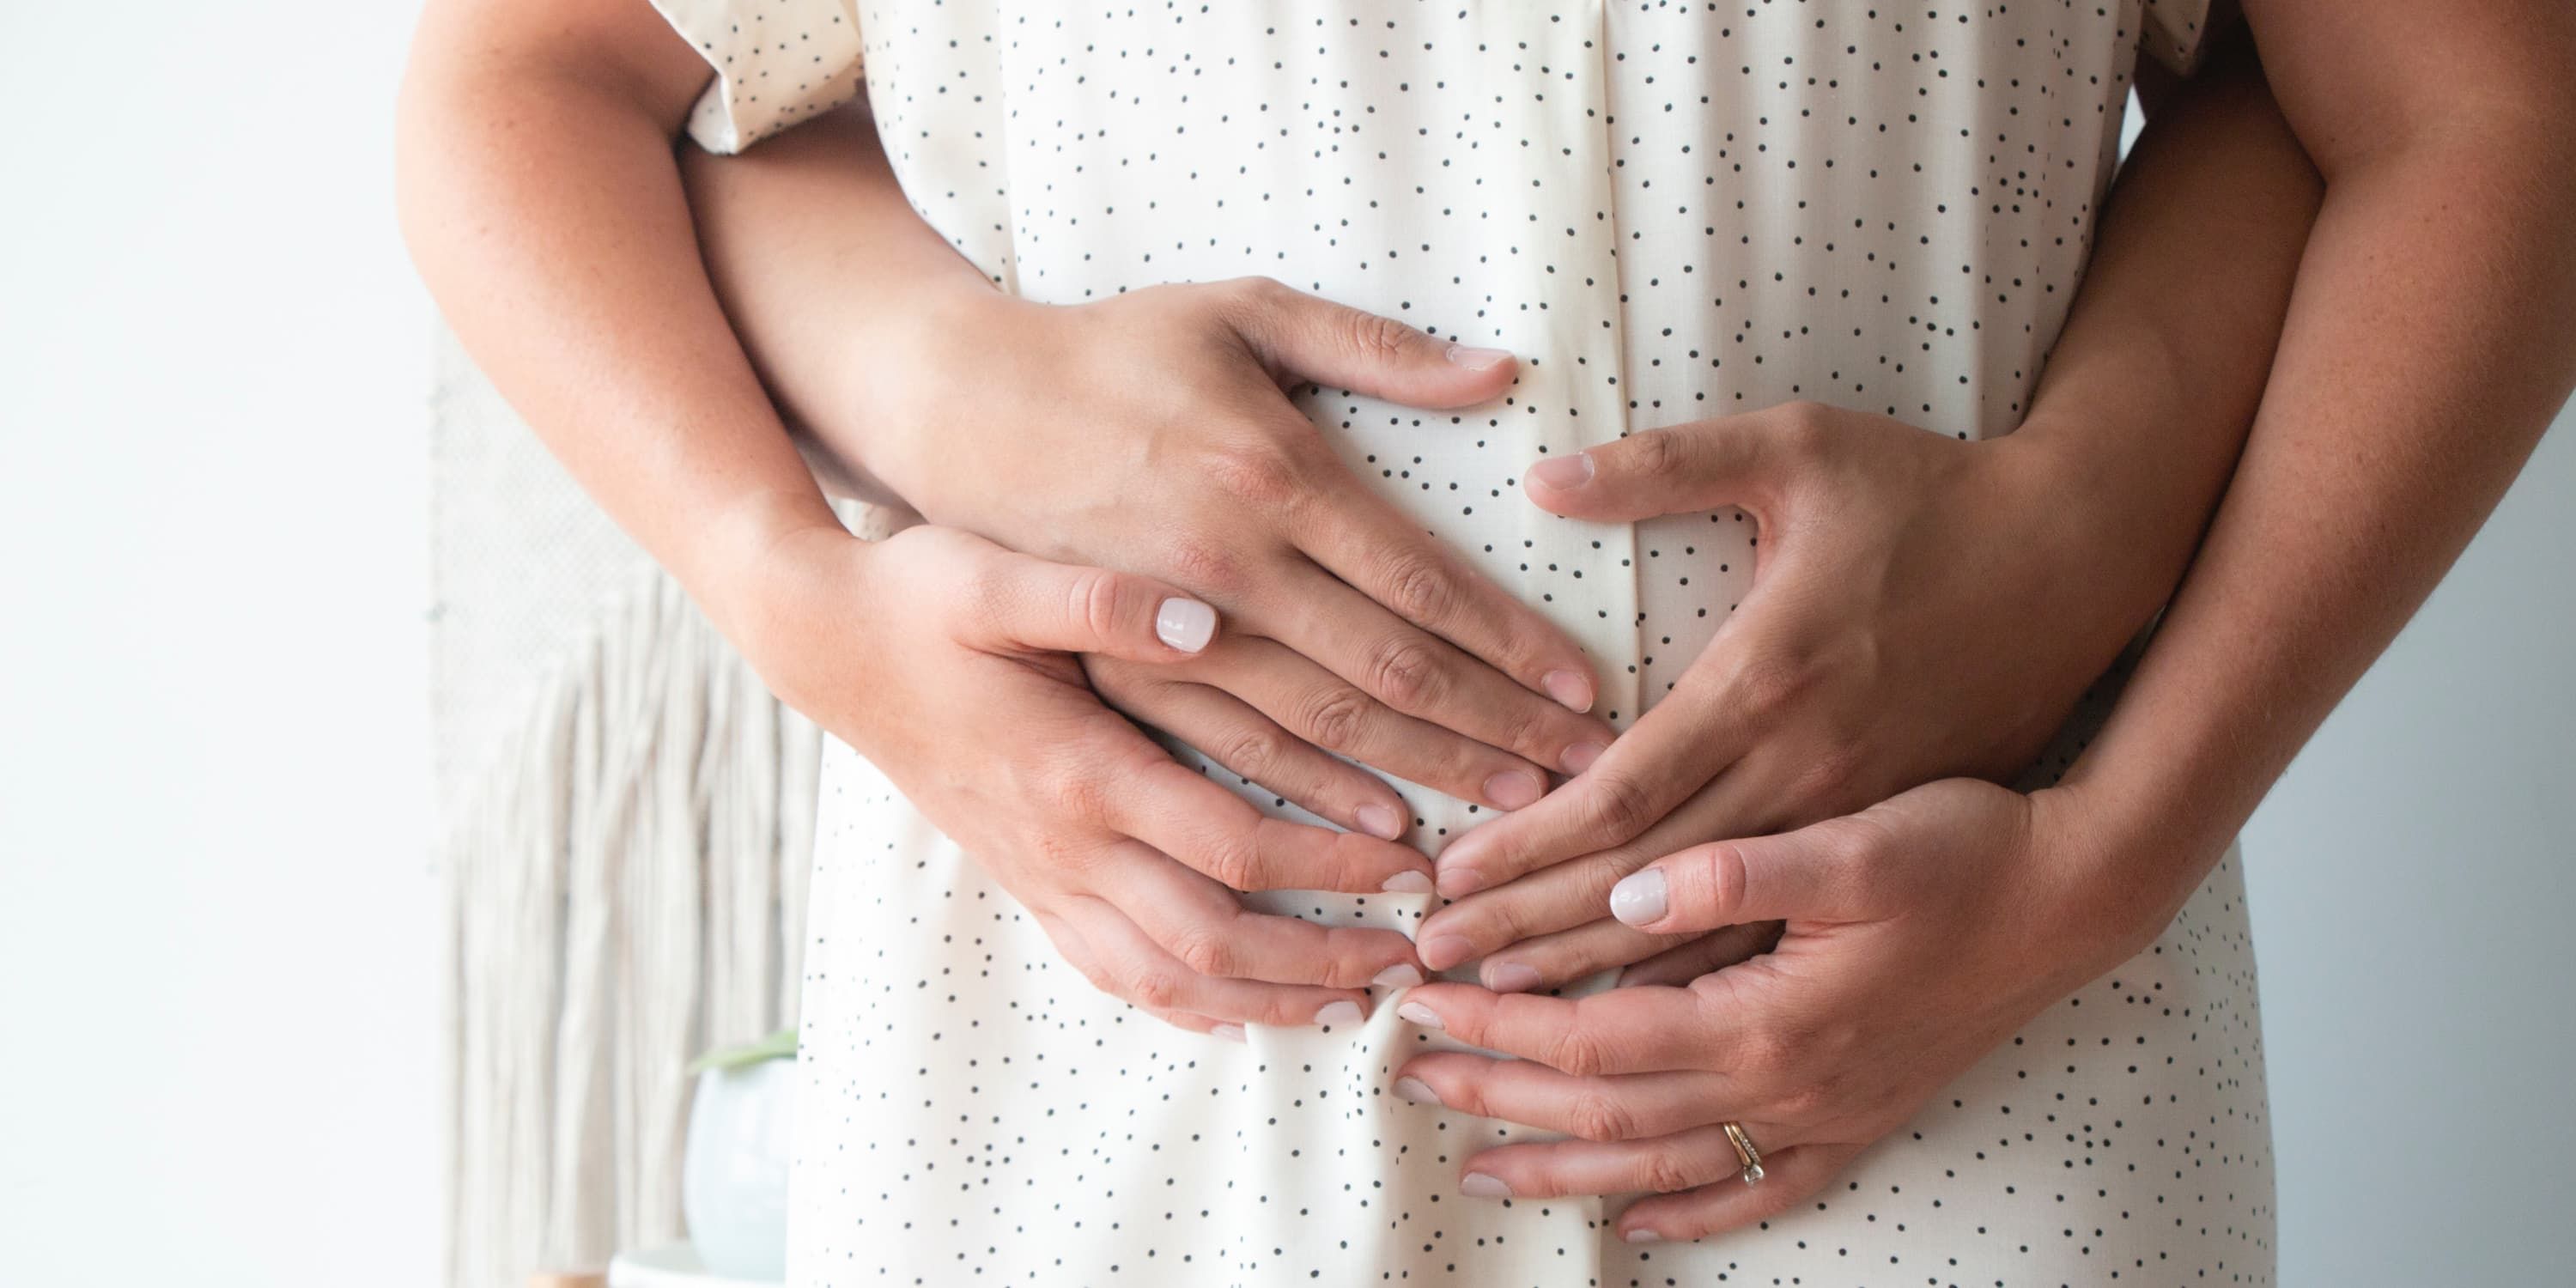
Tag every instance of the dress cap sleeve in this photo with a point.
(2176, 32)
(777, 62)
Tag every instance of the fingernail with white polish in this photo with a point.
(1345, 1011)
(1185, 624)
(1644, 1236)
(1580, 756)
(1417, 1091)
(1570, 690)
(1230, 1032)
(1407, 883)
(1399, 975)
(1482, 1185)
(1379, 821)
(1417, 1013)
(1440, 952)
(1511, 977)
(1638, 899)
(1514, 789)
(1475, 359)
(1564, 473)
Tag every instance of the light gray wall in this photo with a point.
(2413, 884)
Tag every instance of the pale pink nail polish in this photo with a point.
(1345, 1011)
(1580, 756)
(1563, 473)
(1569, 688)
(1417, 1013)
(1417, 1091)
(1514, 789)
(1407, 883)
(1639, 898)
(1644, 1236)
(1399, 975)
(1480, 1185)
(1185, 624)
(1511, 977)
(1444, 951)
(1475, 359)
(1381, 822)
(1458, 883)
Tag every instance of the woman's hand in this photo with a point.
(1921, 933)
(1922, 608)
(946, 661)
(1152, 432)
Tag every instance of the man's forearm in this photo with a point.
(2152, 383)
(825, 268)
(2428, 344)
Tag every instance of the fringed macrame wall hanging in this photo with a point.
(626, 829)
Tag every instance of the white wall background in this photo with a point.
(217, 922)
(218, 1023)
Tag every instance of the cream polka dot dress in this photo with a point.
(1669, 212)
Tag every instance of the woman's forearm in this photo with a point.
(2428, 344)
(542, 201)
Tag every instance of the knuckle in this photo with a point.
(1405, 671)
(1665, 1173)
(1526, 722)
(1617, 804)
(1765, 688)
(1830, 773)
(1253, 751)
(1599, 1116)
(1092, 599)
(1205, 949)
(1373, 337)
(1804, 424)
(1076, 793)
(1229, 863)
(1808, 1102)
(1256, 289)
(1257, 474)
(1654, 453)
(1418, 587)
(1204, 565)
(1579, 1051)
(1154, 987)
(1337, 718)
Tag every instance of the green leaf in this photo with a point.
(777, 1046)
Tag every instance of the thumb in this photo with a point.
(1731, 460)
(1027, 603)
(1801, 875)
(1333, 344)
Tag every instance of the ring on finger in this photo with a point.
(1745, 1153)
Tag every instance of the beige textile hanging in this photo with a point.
(626, 824)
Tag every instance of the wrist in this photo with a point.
(894, 414)
(2119, 529)
(2117, 873)
(746, 557)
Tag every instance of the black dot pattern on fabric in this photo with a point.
(1669, 212)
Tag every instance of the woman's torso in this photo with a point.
(1668, 212)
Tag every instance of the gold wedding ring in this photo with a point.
(1745, 1153)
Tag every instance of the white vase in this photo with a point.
(733, 1179)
